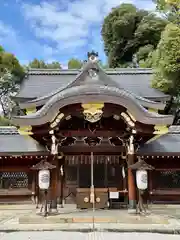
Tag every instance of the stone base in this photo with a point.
(132, 211)
(132, 207)
(53, 211)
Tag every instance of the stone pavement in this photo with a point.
(163, 219)
(52, 235)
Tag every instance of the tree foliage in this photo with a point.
(4, 121)
(74, 63)
(166, 61)
(8, 88)
(126, 29)
(1, 49)
(143, 52)
(42, 64)
(102, 65)
(8, 62)
(148, 62)
(11, 76)
(170, 9)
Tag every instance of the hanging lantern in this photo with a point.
(44, 179)
(142, 179)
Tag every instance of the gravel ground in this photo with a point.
(84, 236)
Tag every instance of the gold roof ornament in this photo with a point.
(93, 56)
(93, 111)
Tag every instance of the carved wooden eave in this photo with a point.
(84, 78)
(103, 146)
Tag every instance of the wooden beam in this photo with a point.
(87, 149)
(96, 133)
(14, 169)
(87, 133)
(82, 133)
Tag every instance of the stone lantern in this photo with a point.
(44, 180)
(142, 169)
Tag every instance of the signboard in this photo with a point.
(113, 195)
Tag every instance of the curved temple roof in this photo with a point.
(92, 84)
(86, 94)
(41, 85)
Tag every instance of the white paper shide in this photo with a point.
(44, 179)
(142, 179)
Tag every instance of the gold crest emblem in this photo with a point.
(93, 111)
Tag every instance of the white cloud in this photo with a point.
(6, 32)
(23, 49)
(146, 4)
(69, 25)
(63, 28)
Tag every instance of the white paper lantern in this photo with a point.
(44, 179)
(142, 179)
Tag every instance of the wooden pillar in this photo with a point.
(106, 173)
(131, 178)
(54, 186)
(131, 186)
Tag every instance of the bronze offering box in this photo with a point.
(83, 198)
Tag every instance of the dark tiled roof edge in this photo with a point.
(52, 71)
(8, 130)
(174, 129)
(116, 71)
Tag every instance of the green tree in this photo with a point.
(102, 65)
(42, 64)
(145, 56)
(11, 76)
(126, 29)
(170, 9)
(166, 61)
(1, 49)
(54, 65)
(4, 121)
(74, 64)
(148, 62)
(8, 88)
(8, 62)
(144, 52)
(37, 64)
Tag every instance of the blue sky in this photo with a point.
(55, 29)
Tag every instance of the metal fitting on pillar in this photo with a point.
(92, 195)
(54, 145)
(131, 145)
